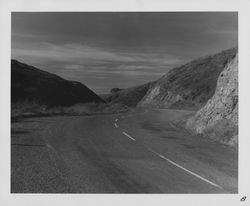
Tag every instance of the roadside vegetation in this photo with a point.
(34, 109)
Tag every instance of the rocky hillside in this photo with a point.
(129, 97)
(188, 86)
(218, 119)
(31, 84)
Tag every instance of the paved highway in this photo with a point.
(139, 152)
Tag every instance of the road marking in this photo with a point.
(172, 162)
(183, 168)
(128, 136)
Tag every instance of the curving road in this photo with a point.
(140, 152)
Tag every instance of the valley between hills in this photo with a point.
(177, 134)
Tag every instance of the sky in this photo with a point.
(104, 50)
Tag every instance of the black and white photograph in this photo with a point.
(124, 102)
(132, 102)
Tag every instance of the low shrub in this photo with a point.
(31, 109)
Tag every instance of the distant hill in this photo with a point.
(130, 96)
(188, 86)
(218, 119)
(32, 84)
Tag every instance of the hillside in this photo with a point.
(188, 86)
(130, 96)
(218, 119)
(31, 84)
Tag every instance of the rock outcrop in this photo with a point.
(188, 86)
(218, 119)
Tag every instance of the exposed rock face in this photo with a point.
(32, 84)
(218, 119)
(190, 85)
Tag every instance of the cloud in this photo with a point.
(87, 63)
(74, 66)
(84, 54)
(130, 70)
(105, 50)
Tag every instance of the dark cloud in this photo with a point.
(118, 49)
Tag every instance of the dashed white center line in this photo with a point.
(183, 168)
(172, 162)
(128, 136)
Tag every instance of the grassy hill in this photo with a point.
(188, 86)
(31, 84)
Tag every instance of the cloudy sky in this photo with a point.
(106, 50)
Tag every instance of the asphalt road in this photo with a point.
(140, 152)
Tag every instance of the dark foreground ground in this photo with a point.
(140, 152)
